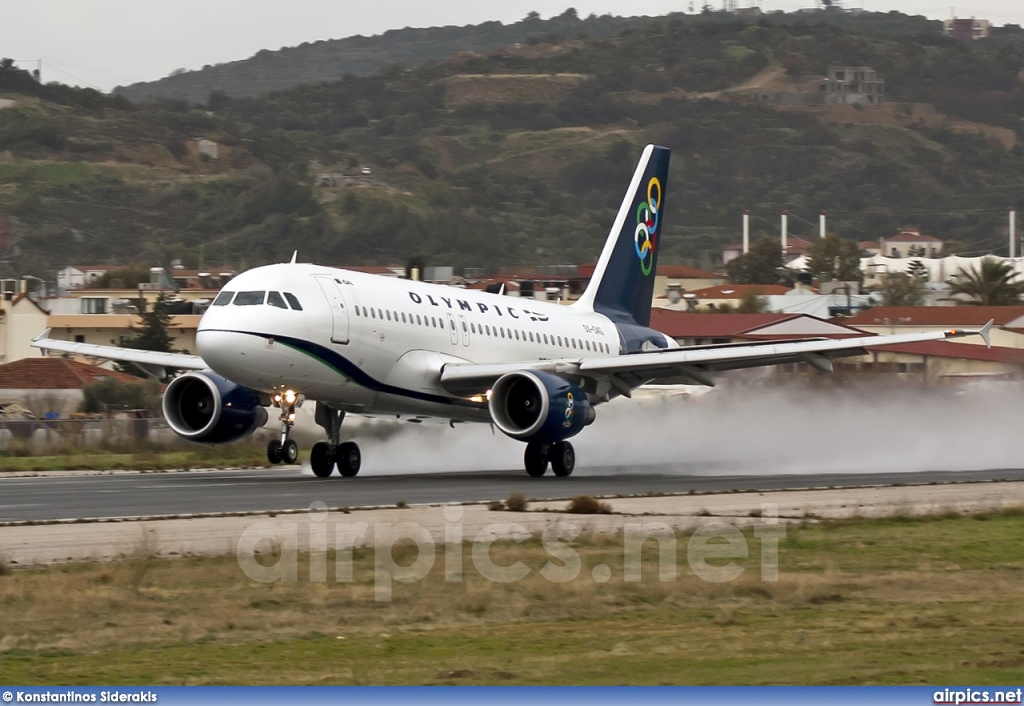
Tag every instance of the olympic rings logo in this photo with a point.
(569, 404)
(645, 236)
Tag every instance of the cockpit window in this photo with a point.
(223, 299)
(250, 298)
(275, 299)
(293, 300)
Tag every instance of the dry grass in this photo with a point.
(867, 602)
(588, 505)
(516, 502)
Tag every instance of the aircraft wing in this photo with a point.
(150, 360)
(697, 365)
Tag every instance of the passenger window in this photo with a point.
(275, 299)
(389, 315)
(517, 334)
(373, 314)
(418, 321)
(452, 322)
(250, 298)
(293, 301)
(223, 299)
(531, 336)
(403, 318)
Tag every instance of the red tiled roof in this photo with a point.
(684, 272)
(682, 324)
(934, 316)
(949, 349)
(52, 373)
(736, 291)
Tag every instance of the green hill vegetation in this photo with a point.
(521, 154)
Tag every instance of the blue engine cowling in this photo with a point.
(203, 406)
(539, 407)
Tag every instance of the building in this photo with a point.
(51, 385)
(1007, 331)
(795, 247)
(852, 84)
(22, 318)
(728, 296)
(966, 30)
(910, 242)
(695, 329)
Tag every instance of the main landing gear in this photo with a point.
(561, 455)
(285, 450)
(325, 455)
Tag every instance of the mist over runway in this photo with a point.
(732, 438)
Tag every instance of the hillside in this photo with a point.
(520, 156)
(330, 60)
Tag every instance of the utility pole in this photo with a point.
(746, 232)
(1013, 232)
(785, 223)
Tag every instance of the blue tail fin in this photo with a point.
(623, 283)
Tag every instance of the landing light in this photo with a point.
(290, 397)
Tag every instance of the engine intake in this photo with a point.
(537, 406)
(203, 406)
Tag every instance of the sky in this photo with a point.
(105, 43)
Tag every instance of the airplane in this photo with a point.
(364, 344)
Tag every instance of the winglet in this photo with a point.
(295, 257)
(985, 333)
(44, 335)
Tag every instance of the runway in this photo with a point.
(56, 496)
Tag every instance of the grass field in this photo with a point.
(894, 601)
(220, 456)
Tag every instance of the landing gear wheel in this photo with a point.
(320, 459)
(290, 452)
(274, 451)
(563, 458)
(348, 458)
(536, 460)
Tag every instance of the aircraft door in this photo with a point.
(453, 330)
(339, 312)
(465, 330)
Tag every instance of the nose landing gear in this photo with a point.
(325, 455)
(285, 450)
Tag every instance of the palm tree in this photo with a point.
(991, 285)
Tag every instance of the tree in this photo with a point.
(750, 303)
(152, 334)
(901, 289)
(111, 394)
(992, 284)
(918, 270)
(835, 258)
(761, 265)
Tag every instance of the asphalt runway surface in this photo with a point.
(56, 496)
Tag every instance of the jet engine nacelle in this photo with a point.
(539, 407)
(203, 406)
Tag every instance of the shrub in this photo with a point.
(588, 505)
(516, 502)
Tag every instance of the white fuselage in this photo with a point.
(372, 344)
